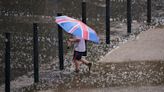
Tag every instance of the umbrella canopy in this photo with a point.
(77, 28)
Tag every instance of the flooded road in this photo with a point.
(102, 77)
(117, 89)
(109, 77)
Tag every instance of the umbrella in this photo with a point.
(77, 28)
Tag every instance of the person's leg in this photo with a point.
(78, 58)
(75, 60)
(86, 63)
(76, 65)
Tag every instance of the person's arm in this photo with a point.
(71, 41)
(74, 40)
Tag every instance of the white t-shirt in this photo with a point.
(80, 46)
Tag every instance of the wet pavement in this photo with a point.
(110, 75)
(118, 89)
(148, 46)
(143, 75)
(139, 74)
(102, 78)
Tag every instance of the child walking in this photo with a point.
(79, 50)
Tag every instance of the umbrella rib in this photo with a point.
(85, 32)
(73, 28)
(62, 21)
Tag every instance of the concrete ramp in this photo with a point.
(149, 46)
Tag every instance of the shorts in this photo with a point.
(77, 55)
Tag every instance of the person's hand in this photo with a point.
(68, 44)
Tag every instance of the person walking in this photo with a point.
(79, 50)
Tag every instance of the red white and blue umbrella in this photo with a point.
(77, 28)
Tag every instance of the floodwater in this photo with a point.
(116, 89)
(18, 20)
(142, 76)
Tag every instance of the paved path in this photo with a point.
(117, 89)
(149, 46)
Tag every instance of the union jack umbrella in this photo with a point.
(77, 28)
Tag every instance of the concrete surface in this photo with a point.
(149, 46)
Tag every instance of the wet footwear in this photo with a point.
(89, 66)
(77, 71)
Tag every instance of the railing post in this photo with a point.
(84, 20)
(107, 21)
(148, 12)
(7, 63)
(129, 19)
(84, 11)
(35, 53)
(60, 38)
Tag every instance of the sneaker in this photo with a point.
(89, 66)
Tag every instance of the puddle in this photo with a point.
(119, 89)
